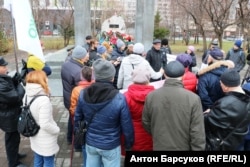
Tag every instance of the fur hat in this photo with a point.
(230, 78)
(79, 52)
(174, 69)
(103, 70)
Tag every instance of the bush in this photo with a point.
(160, 32)
(4, 43)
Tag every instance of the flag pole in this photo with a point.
(14, 37)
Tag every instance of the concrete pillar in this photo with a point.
(144, 24)
(82, 20)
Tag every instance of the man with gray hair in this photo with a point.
(173, 115)
(107, 114)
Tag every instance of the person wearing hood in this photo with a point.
(107, 114)
(44, 143)
(117, 56)
(130, 63)
(237, 55)
(136, 96)
(209, 88)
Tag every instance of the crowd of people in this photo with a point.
(185, 113)
(113, 89)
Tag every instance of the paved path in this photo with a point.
(55, 60)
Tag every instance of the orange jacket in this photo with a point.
(75, 94)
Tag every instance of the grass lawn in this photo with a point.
(180, 47)
(55, 43)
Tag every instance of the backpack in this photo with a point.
(27, 125)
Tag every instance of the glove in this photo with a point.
(16, 78)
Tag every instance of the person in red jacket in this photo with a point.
(189, 79)
(135, 97)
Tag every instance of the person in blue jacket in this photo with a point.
(107, 114)
(208, 87)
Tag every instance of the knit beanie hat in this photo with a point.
(141, 75)
(174, 69)
(230, 78)
(217, 54)
(120, 43)
(238, 43)
(184, 59)
(138, 48)
(79, 52)
(101, 49)
(103, 70)
(191, 48)
(34, 62)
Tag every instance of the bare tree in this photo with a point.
(64, 18)
(218, 12)
(195, 8)
(174, 18)
(243, 13)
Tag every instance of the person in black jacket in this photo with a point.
(156, 58)
(11, 94)
(229, 113)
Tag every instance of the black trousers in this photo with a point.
(12, 141)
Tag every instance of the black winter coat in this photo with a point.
(225, 115)
(154, 57)
(10, 103)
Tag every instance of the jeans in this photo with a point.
(44, 161)
(12, 141)
(106, 158)
(84, 156)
